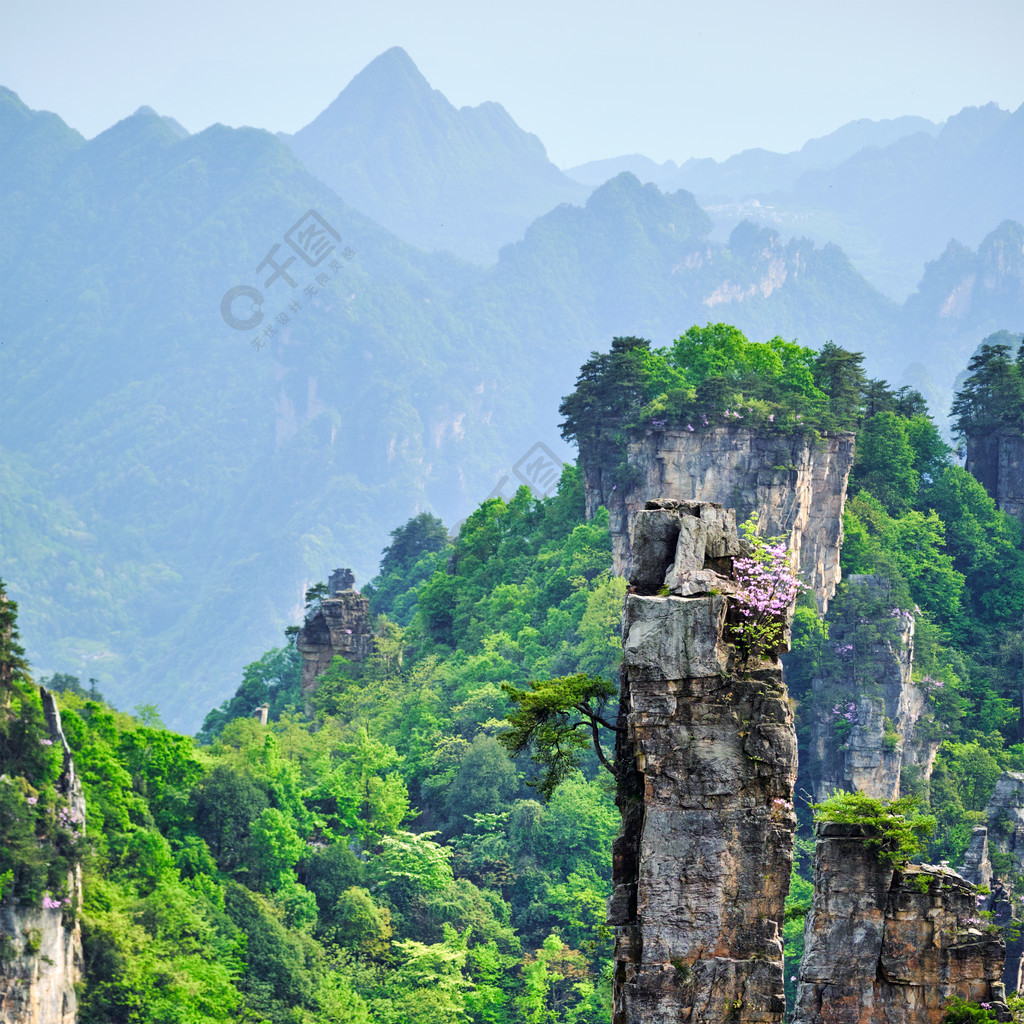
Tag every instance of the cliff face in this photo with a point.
(339, 626)
(996, 858)
(883, 945)
(798, 487)
(872, 723)
(702, 865)
(41, 957)
(996, 460)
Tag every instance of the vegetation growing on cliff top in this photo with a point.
(713, 376)
(894, 829)
(388, 862)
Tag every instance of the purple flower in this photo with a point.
(47, 743)
(689, 428)
(49, 903)
(771, 417)
(32, 800)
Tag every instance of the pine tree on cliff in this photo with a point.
(992, 396)
(610, 390)
(840, 374)
(12, 661)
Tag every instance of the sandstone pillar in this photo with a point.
(707, 765)
(884, 945)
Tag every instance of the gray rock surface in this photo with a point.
(43, 947)
(891, 947)
(707, 765)
(797, 485)
(339, 626)
(873, 722)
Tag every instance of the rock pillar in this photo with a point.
(869, 721)
(339, 625)
(882, 945)
(707, 756)
(41, 946)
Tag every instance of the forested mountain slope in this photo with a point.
(384, 860)
(174, 481)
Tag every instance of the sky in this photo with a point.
(671, 79)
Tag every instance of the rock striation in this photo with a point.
(871, 729)
(706, 756)
(996, 460)
(339, 625)
(882, 945)
(41, 960)
(797, 484)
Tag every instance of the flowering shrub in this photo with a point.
(768, 586)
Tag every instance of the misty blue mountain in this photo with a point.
(171, 483)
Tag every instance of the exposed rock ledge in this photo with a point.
(882, 945)
(796, 484)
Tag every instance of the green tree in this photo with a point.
(992, 396)
(558, 720)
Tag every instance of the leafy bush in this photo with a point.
(894, 830)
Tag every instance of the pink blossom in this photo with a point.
(32, 800)
(689, 428)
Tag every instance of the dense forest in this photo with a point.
(379, 857)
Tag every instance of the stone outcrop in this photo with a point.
(797, 485)
(871, 723)
(996, 460)
(996, 858)
(706, 756)
(41, 959)
(882, 945)
(338, 625)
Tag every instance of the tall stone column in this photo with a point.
(707, 761)
(884, 945)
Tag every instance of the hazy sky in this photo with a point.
(671, 79)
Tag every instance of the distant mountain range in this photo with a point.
(890, 193)
(466, 180)
(171, 482)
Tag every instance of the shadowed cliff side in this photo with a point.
(869, 720)
(701, 868)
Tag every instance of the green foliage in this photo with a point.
(959, 1011)
(894, 829)
(992, 396)
(558, 720)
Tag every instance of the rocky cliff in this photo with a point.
(338, 625)
(869, 722)
(887, 946)
(996, 460)
(41, 946)
(706, 758)
(995, 858)
(798, 485)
